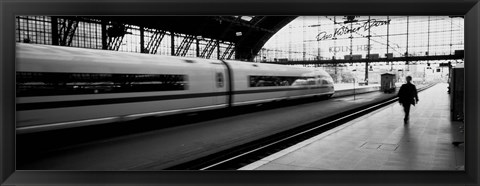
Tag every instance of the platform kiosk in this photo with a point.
(387, 83)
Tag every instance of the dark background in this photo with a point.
(10, 8)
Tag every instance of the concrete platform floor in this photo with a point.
(381, 141)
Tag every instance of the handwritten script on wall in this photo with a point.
(347, 30)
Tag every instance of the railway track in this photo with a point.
(237, 157)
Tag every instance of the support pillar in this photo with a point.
(142, 40)
(55, 35)
(406, 53)
(172, 39)
(218, 49)
(104, 35)
(198, 47)
(368, 52)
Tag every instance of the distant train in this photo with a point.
(63, 87)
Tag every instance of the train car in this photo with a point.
(62, 87)
(260, 82)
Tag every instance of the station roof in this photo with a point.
(249, 33)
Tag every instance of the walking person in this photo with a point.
(407, 95)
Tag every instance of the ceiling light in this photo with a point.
(246, 18)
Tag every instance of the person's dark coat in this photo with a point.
(407, 94)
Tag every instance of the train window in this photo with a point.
(324, 77)
(311, 81)
(219, 80)
(268, 81)
(50, 83)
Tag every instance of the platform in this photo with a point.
(381, 141)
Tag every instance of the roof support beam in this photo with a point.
(154, 42)
(114, 43)
(227, 54)
(184, 46)
(411, 58)
(243, 23)
(208, 50)
(67, 31)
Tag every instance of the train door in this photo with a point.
(220, 85)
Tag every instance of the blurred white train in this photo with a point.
(63, 87)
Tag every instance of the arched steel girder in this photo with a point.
(253, 40)
(254, 33)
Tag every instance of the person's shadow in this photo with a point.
(409, 151)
